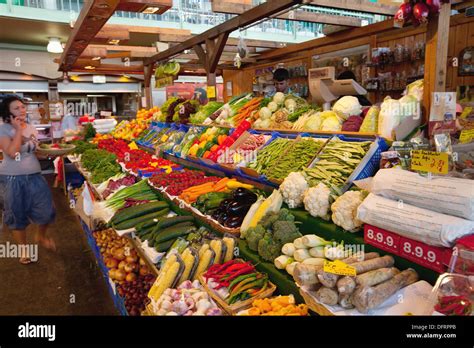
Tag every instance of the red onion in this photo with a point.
(433, 6)
(421, 12)
(404, 13)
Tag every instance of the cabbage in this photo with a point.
(409, 106)
(314, 122)
(415, 89)
(265, 113)
(273, 106)
(331, 123)
(347, 106)
(279, 98)
(389, 118)
(371, 120)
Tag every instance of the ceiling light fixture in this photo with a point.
(96, 58)
(114, 42)
(150, 10)
(54, 45)
(89, 67)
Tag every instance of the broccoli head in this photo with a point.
(268, 248)
(268, 220)
(285, 231)
(285, 215)
(253, 235)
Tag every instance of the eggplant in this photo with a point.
(223, 217)
(225, 203)
(238, 208)
(242, 194)
(234, 221)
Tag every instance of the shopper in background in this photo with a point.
(26, 195)
(349, 75)
(281, 81)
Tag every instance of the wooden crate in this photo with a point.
(239, 306)
(314, 305)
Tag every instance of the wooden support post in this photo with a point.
(436, 56)
(211, 82)
(148, 70)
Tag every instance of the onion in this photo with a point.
(142, 262)
(130, 277)
(144, 271)
(120, 275)
(433, 6)
(119, 254)
(130, 267)
(111, 263)
(122, 265)
(421, 12)
(131, 258)
(112, 273)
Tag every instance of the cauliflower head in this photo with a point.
(293, 188)
(344, 210)
(347, 106)
(316, 201)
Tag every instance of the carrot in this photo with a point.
(221, 184)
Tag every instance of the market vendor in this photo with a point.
(25, 192)
(349, 75)
(281, 80)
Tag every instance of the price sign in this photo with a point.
(339, 267)
(429, 161)
(211, 92)
(382, 239)
(425, 255)
(466, 136)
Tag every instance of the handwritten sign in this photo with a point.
(429, 161)
(339, 267)
(466, 136)
(211, 91)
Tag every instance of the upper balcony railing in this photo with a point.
(185, 13)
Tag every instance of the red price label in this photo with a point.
(425, 255)
(382, 239)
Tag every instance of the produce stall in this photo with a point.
(276, 205)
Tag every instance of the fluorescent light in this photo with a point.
(151, 10)
(96, 58)
(114, 42)
(89, 67)
(54, 45)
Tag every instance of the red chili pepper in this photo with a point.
(240, 272)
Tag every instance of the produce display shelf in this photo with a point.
(329, 231)
(117, 299)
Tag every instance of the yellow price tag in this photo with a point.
(429, 161)
(133, 146)
(211, 91)
(466, 136)
(466, 112)
(340, 268)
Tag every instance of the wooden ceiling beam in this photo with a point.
(141, 5)
(230, 41)
(255, 14)
(298, 15)
(93, 16)
(147, 30)
(358, 5)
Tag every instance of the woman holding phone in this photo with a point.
(26, 195)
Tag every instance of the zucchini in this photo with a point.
(175, 231)
(162, 247)
(137, 211)
(171, 221)
(148, 230)
(146, 224)
(135, 221)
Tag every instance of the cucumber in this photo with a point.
(162, 247)
(171, 221)
(135, 221)
(137, 211)
(174, 232)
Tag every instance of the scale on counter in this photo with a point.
(44, 132)
(325, 89)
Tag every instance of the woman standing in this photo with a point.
(26, 195)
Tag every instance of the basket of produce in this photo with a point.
(275, 306)
(235, 284)
(56, 149)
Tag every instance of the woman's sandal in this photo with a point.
(25, 260)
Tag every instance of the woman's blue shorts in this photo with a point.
(26, 199)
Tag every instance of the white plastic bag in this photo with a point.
(412, 222)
